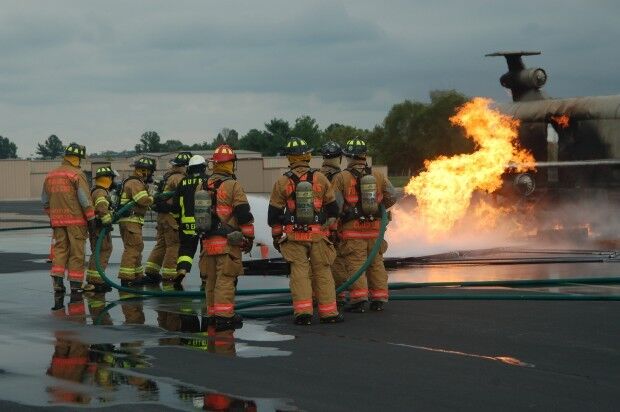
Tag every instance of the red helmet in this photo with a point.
(223, 153)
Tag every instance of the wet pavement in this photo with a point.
(82, 351)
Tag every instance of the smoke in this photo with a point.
(589, 221)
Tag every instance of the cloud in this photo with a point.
(195, 66)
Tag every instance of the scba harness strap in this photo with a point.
(290, 215)
(353, 197)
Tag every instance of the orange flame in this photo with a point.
(563, 121)
(444, 190)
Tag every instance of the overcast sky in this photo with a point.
(101, 73)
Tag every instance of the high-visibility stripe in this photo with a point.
(93, 273)
(101, 199)
(140, 195)
(138, 269)
(224, 307)
(90, 214)
(327, 307)
(379, 293)
(215, 245)
(276, 230)
(223, 211)
(69, 361)
(247, 230)
(313, 229)
(126, 271)
(302, 305)
(152, 265)
(58, 270)
(358, 293)
(75, 274)
(210, 310)
(187, 259)
(188, 219)
(132, 219)
(354, 234)
(76, 309)
(169, 271)
(67, 221)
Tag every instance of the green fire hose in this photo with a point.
(276, 312)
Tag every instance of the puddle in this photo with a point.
(508, 360)
(71, 361)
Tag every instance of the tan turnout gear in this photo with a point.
(163, 257)
(131, 227)
(358, 232)
(100, 197)
(220, 257)
(305, 247)
(66, 202)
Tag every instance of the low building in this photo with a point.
(23, 179)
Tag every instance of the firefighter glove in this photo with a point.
(276, 242)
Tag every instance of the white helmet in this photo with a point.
(196, 160)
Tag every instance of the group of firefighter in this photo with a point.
(323, 222)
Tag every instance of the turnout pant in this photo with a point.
(223, 270)
(339, 271)
(374, 282)
(311, 271)
(131, 261)
(187, 249)
(92, 276)
(69, 245)
(164, 255)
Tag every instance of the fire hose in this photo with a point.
(384, 221)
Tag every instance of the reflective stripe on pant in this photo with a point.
(69, 245)
(222, 271)
(187, 249)
(92, 276)
(374, 282)
(131, 261)
(165, 253)
(310, 270)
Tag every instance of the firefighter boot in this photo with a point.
(59, 301)
(76, 287)
(304, 319)
(152, 278)
(359, 307)
(57, 284)
(376, 305)
(333, 319)
(234, 322)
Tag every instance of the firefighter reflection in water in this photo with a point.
(183, 204)
(131, 272)
(163, 257)
(302, 207)
(66, 202)
(224, 219)
(100, 196)
(362, 190)
(78, 362)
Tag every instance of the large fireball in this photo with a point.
(444, 190)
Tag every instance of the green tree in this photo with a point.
(227, 136)
(308, 129)
(270, 141)
(413, 132)
(172, 145)
(8, 149)
(149, 142)
(51, 148)
(254, 140)
(341, 133)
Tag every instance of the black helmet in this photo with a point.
(182, 159)
(105, 171)
(331, 150)
(75, 149)
(296, 146)
(145, 163)
(355, 148)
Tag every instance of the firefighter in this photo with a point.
(362, 190)
(332, 158)
(227, 228)
(183, 202)
(131, 272)
(66, 202)
(100, 196)
(164, 255)
(301, 209)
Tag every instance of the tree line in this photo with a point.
(411, 132)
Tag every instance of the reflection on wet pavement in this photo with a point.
(85, 371)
